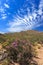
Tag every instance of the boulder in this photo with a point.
(3, 54)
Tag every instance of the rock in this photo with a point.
(3, 54)
(17, 64)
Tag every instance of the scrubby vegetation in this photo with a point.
(21, 47)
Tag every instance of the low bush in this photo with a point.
(21, 52)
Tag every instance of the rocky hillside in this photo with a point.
(20, 48)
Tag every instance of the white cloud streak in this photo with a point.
(6, 5)
(28, 22)
(1, 9)
(40, 12)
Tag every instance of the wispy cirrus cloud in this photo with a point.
(6, 5)
(3, 6)
(40, 11)
(28, 21)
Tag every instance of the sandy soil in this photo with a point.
(39, 58)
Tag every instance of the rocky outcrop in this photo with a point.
(3, 54)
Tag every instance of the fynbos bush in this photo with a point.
(21, 52)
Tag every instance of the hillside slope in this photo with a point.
(21, 47)
(30, 35)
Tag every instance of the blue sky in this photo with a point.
(21, 15)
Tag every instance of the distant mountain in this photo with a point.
(30, 35)
(2, 38)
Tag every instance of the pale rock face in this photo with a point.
(0, 57)
(3, 53)
(17, 64)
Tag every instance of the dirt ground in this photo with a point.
(39, 58)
